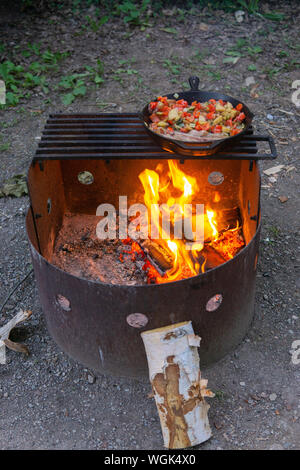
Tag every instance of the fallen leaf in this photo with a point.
(203, 27)
(169, 30)
(239, 16)
(253, 93)
(250, 81)
(15, 186)
(230, 60)
(209, 61)
(273, 170)
(283, 198)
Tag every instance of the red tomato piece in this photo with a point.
(182, 103)
(154, 117)
(241, 117)
(217, 129)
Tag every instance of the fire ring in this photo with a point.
(101, 311)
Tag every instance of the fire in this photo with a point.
(170, 194)
(212, 223)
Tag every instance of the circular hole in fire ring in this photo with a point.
(63, 302)
(214, 302)
(215, 178)
(137, 320)
(85, 177)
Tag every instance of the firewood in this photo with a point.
(5, 332)
(158, 256)
(210, 257)
(178, 389)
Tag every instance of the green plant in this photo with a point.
(252, 67)
(220, 395)
(95, 25)
(275, 231)
(240, 49)
(76, 83)
(4, 147)
(22, 78)
(133, 14)
(251, 6)
(124, 69)
(214, 74)
(173, 67)
(254, 50)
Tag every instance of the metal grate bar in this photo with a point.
(115, 136)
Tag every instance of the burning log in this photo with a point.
(209, 258)
(179, 391)
(229, 243)
(158, 256)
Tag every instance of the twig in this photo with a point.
(14, 289)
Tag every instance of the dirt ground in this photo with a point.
(48, 401)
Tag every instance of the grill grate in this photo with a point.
(122, 135)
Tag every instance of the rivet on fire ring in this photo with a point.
(137, 320)
(214, 303)
(63, 302)
(215, 178)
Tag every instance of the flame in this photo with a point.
(212, 223)
(217, 197)
(174, 189)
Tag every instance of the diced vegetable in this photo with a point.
(171, 116)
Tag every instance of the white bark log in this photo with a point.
(179, 391)
(4, 335)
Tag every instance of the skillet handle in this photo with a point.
(194, 83)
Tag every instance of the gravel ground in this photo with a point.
(47, 401)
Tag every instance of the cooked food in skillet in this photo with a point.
(195, 122)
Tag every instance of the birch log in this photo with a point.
(179, 391)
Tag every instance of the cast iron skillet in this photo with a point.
(197, 148)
